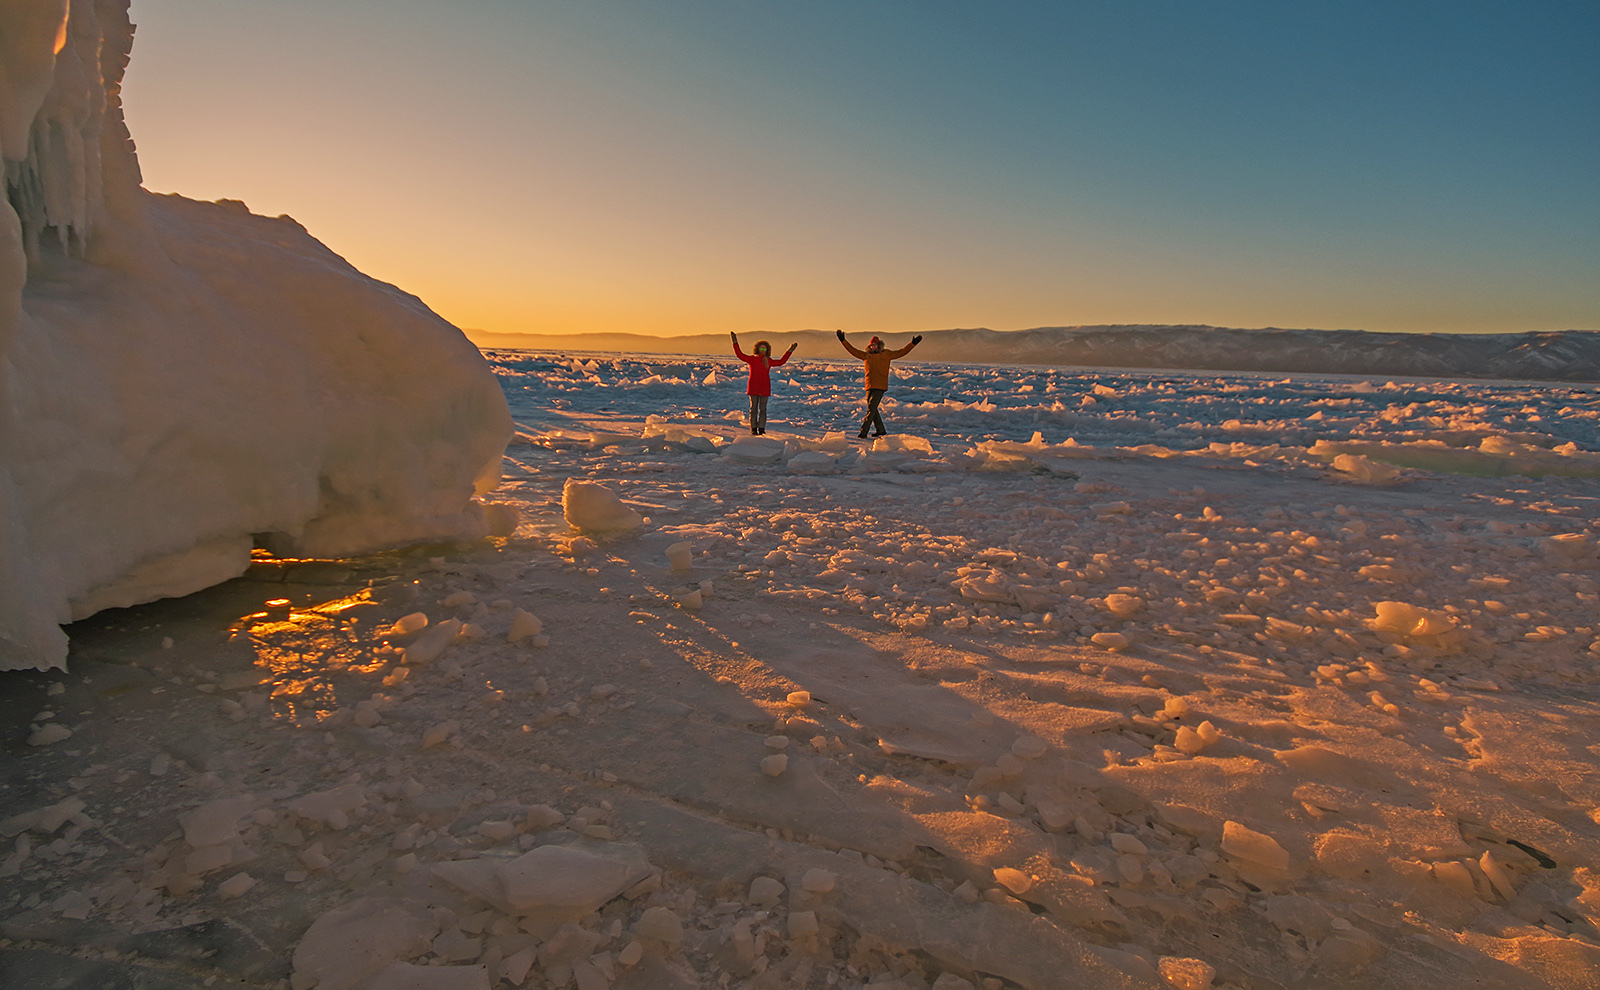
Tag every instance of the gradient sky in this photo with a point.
(711, 165)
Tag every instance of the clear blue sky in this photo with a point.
(713, 165)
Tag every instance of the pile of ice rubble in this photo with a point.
(1370, 462)
(181, 381)
(1018, 730)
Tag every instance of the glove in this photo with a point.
(732, 334)
(917, 339)
(840, 335)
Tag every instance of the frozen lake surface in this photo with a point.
(1089, 679)
(1180, 410)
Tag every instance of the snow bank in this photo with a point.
(180, 381)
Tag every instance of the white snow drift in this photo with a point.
(182, 380)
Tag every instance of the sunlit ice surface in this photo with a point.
(1176, 666)
(1467, 428)
(1181, 411)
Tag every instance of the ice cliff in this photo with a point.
(181, 381)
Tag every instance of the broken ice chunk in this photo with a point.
(661, 924)
(407, 625)
(561, 883)
(74, 904)
(1129, 868)
(775, 765)
(214, 822)
(1123, 606)
(1187, 974)
(765, 891)
(439, 733)
(1109, 640)
(429, 646)
(1349, 855)
(680, 556)
(543, 816)
(359, 939)
(1029, 747)
(818, 881)
(803, 924)
(1364, 469)
(206, 859)
(48, 734)
(333, 807)
(1188, 741)
(1456, 877)
(523, 625)
(1498, 877)
(235, 886)
(409, 976)
(46, 819)
(1406, 619)
(502, 518)
(1013, 880)
(1252, 847)
(631, 954)
(1124, 843)
(593, 508)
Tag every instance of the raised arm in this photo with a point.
(902, 352)
(741, 355)
(847, 345)
(777, 361)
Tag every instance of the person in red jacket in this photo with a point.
(760, 379)
(877, 376)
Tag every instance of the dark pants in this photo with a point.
(874, 396)
(758, 414)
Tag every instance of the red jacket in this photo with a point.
(760, 378)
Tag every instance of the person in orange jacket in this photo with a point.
(877, 376)
(760, 379)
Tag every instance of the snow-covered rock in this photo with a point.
(180, 381)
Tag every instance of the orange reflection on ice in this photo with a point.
(303, 654)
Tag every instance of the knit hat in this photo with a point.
(874, 341)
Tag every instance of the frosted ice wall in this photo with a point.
(180, 381)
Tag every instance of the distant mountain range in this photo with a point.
(1558, 355)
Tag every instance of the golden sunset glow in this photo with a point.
(618, 167)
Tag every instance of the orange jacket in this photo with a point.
(878, 364)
